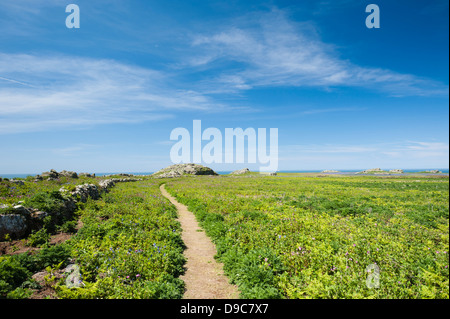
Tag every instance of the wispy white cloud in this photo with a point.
(74, 149)
(271, 50)
(43, 93)
(15, 82)
(424, 149)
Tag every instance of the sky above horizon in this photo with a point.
(105, 97)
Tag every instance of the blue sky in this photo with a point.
(105, 97)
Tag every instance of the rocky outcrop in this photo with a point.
(106, 184)
(13, 225)
(178, 170)
(268, 173)
(396, 171)
(53, 175)
(330, 171)
(83, 192)
(19, 221)
(371, 170)
(377, 171)
(86, 175)
(434, 171)
(240, 171)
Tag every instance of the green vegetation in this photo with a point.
(286, 236)
(16, 270)
(11, 193)
(314, 237)
(129, 247)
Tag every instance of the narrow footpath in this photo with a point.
(204, 276)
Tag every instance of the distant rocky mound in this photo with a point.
(178, 170)
(330, 171)
(54, 175)
(240, 171)
(373, 171)
(434, 171)
(379, 171)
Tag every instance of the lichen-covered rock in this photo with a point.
(240, 171)
(13, 225)
(68, 174)
(86, 175)
(396, 171)
(106, 184)
(53, 175)
(21, 210)
(178, 170)
(85, 191)
(373, 171)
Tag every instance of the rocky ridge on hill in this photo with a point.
(178, 170)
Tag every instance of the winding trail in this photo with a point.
(204, 276)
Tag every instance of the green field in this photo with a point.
(128, 247)
(286, 236)
(313, 237)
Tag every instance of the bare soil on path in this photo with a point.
(204, 276)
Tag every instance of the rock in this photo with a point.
(371, 170)
(178, 170)
(68, 174)
(39, 215)
(52, 174)
(14, 225)
(86, 175)
(268, 173)
(330, 171)
(106, 184)
(19, 209)
(434, 171)
(39, 277)
(396, 171)
(83, 192)
(240, 171)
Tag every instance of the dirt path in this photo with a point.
(204, 276)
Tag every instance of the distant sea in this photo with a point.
(443, 170)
